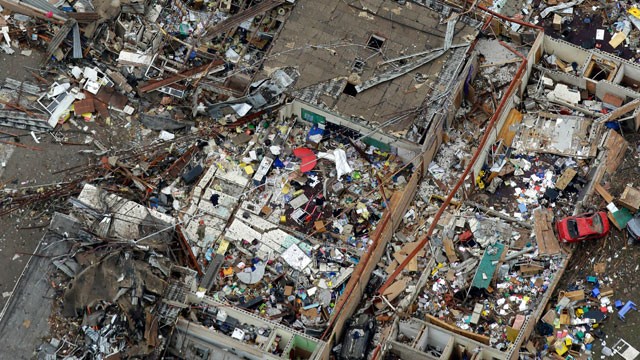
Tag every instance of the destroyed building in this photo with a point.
(554, 132)
(309, 177)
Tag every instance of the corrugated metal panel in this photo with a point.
(59, 37)
(44, 5)
(77, 45)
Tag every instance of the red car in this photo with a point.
(583, 227)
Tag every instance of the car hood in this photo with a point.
(634, 226)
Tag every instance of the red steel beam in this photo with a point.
(461, 181)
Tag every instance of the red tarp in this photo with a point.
(308, 158)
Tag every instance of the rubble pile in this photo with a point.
(610, 26)
(108, 287)
(233, 199)
(296, 235)
(489, 263)
(271, 213)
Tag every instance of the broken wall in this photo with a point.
(535, 53)
(628, 75)
(604, 87)
(493, 135)
(296, 107)
(565, 51)
(532, 319)
(510, 102)
(387, 226)
(565, 78)
(468, 73)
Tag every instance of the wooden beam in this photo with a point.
(615, 114)
(156, 84)
(604, 193)
(468, 334)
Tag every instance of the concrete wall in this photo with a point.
(192, 333)
(630, 73)
(383, 233)
(387, 226)
(620, 74)
(605, 87)
(531, 320)
(510, 103)
(392, 218)
(565, 51)
(559, 76)
(431, 334)
(409, 149)
(568, 52)
(535, 53)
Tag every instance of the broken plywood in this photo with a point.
(630, 198)
(565, 178)
(565, 136)
(543, 229)
(402, 254)
(604, 193)
(395, 289)
(616, 147)
(450, 250)
(510, 128)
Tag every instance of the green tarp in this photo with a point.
(488, 264)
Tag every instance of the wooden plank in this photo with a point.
(617, 113)
(565, 178)
(545, 237)
(604, 193)
(576, 295)
(617, 147)
(630, 198)
(477, 337)
(612, 219)
(84, 17)
(449, 250)
(526, 270)
(187, 74)
(395, 289)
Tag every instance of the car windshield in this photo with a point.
(595, 224)
(572, 227)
